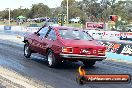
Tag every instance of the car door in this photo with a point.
(50, 41)
(38, 38)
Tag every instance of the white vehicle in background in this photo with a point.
(74, 20)
(126, 28)
(129, 29)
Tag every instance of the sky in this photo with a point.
(27, 3)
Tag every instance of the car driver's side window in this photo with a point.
(51, 35)
(43, 32)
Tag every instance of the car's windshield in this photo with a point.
(74, 34)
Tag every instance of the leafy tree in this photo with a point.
(55, 11)
(71, 3)
(74, 10)
(4, 14)
(17, 12)
(40, 10)
(91, 8)
(128, 9)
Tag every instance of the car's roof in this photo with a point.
(64, 27)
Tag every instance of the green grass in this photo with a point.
(76, 25)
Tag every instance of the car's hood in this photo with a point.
(76, 43)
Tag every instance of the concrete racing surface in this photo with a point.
(18, 72)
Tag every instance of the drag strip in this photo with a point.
(11, 57)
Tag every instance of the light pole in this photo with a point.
(67, 11)
(9, 15)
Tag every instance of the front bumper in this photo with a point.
(77, 56)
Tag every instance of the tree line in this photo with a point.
(87, 10)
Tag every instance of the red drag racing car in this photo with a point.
(59, 43)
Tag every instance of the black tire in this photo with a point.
(52, 61)
(27, 50)
(89, 63)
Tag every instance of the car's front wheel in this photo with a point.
(27, 50)
(89, 63)
(51, 59)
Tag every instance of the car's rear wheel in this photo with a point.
(27, 50)
(51, 59)
(89, 63)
